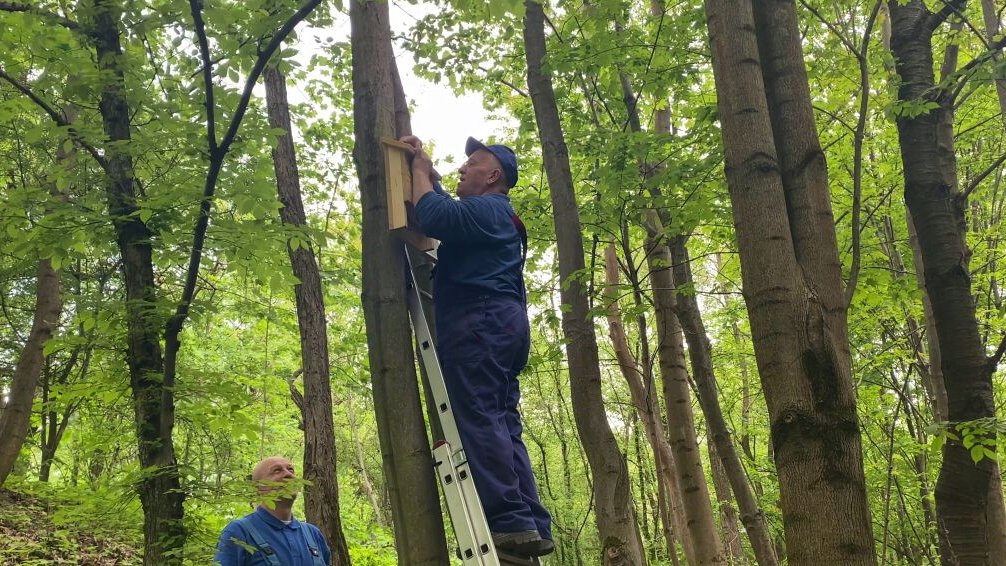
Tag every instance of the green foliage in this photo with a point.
(240, 351)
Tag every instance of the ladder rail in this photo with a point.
(471, 529)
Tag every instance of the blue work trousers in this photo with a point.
(483, 345)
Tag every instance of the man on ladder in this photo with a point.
(483, 336)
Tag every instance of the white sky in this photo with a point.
(440, 118)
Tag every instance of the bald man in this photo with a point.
(271, 535)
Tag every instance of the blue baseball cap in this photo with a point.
(505, 155)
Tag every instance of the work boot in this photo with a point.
(522, 543)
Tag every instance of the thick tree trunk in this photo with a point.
(938, 208)
(791, 279)
(16, 416)
(160, 490)
(415, 503)
(321, 503)
(616, 517)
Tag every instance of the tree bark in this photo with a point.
(791, 279)
(16, 416)
(700, 523)
(938, 209)
(730, 532)
(685, 310)
(700, 353)
(321, 498)
(616, 517)
(415, 503)
(160, 490)
(644, 397)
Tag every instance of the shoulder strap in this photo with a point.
(522, 232)
(312, 545)
(259, 541)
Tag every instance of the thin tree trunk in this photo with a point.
(15, 418)
(791, 279)
(997, 507)
(992, 30)
(616, 520)
(644, 398)
(700, 523)
(700, 353)
(938, 208)
(685, 309)
(415, 503)
(321, 501)
(730, 532)
(366, 485)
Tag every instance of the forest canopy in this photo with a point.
(762, 273)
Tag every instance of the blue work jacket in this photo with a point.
(237, 547)
(480, 247)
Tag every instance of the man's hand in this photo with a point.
(421, 162)
(423, 174)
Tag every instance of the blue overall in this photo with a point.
(261, 539)
(483, 340)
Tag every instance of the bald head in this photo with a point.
(275, 479)
(272, 466)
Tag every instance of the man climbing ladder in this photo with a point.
(483, 334)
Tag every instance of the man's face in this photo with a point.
(478, 174)
(273, 477)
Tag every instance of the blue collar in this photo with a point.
(266, 517)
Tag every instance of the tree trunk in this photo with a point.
(700, 353)
(684, 307)
(997, 511)
(321, 498)
(992, 30)
(366, 485)
(701, 525)
(791, 279)
(160, 490)
(937, 208)
(616, 517)
(415, 503)
(644, 398)
(16, 416)
(730, 532)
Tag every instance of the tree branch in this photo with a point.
(196, 6)
(260, 64)
(25, 8)
(57, 116)
(964, 72)
(174, 325)
(949, 7)
(981, 176)
(998, 356)
(831, 26)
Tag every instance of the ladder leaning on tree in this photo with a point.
(471, 529)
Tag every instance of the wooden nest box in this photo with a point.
(398, 184)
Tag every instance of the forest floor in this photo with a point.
(29, 536)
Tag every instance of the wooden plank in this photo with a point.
(398, 185)
(397, 180)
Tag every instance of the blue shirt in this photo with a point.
(480, 248)
(287, 541)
